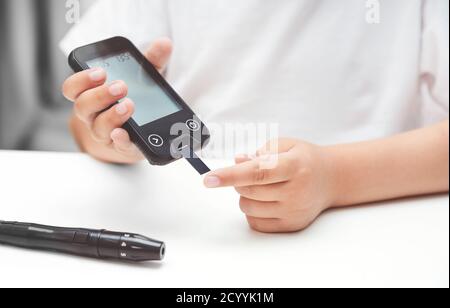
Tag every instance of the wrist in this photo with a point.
(336, 181)
(327, 184)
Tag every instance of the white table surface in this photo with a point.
(393, 244)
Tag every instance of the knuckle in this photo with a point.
(293, 162)
(265, 149)
(255, 227)
(78, 108)
(243, 205)
(291, 166)
(98, 137)
(241, 190)
(254, 223)
(260, 175)
(112, 119)
(102, 140)
(232, 176)
(249, 191)
(262, 227)
(242, 202)
(95, 136)
(98, 94)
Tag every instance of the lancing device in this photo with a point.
(99, 244)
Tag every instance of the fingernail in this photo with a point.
(122, 108)
(212, 181)
(116, 89)
(97, 74)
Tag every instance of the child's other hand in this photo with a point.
(283, 189)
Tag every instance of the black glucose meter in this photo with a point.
(163, 126)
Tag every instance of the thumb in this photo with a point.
(159, 52)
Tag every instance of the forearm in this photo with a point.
(414, 163)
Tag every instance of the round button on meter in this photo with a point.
(193, 125)
(156, 140)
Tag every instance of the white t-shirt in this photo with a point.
(318, 68)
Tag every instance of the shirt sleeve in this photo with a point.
(141, 21)
(435, 51)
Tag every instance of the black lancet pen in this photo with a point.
(101, 244)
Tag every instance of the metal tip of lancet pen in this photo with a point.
(140, 248)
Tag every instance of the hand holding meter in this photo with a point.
(163, 126)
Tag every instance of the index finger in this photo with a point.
(80, 82)
(159, 53)
(259, 171)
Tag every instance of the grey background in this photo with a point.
(33, 113)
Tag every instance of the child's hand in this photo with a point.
(282, 190)
(97, 128)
